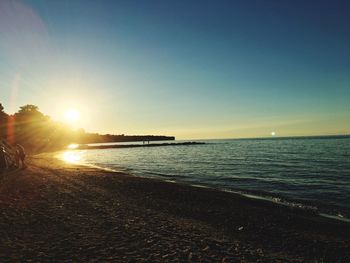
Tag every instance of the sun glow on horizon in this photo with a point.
(71, 115)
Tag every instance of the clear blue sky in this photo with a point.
(193, 69)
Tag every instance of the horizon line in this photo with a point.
(276, 137)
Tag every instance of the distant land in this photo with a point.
(111, 146)
(110, 138)
(91, 138)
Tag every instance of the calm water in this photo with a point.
(311, 172)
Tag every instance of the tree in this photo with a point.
(31, 127)
(3, 121)
(29, 111)
(3, 114)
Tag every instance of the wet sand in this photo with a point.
(54, 211)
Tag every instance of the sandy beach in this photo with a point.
(54, 211)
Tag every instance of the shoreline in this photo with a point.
(55, 210)
(295, 204)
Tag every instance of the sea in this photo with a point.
(310, 173)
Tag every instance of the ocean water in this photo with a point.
(310, 172)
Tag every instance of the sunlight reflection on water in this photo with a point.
(73, 146)
(72, 156)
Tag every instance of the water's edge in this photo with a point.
(246, 194)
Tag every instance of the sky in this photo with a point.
(192, 69)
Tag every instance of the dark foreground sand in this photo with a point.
(56, 212)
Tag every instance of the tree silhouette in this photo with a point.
(31, 127)
(3, 121)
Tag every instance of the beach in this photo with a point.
(55, 211)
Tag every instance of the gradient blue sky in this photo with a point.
(193, 69)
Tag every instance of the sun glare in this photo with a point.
(71, 115)
(72, 157)
(73, 146)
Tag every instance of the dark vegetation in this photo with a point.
(109, 146)
(37, 132)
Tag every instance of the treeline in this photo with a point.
(37, 132)
(98, 138)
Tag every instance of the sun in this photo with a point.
(71, 115)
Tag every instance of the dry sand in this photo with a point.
(58, 212)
